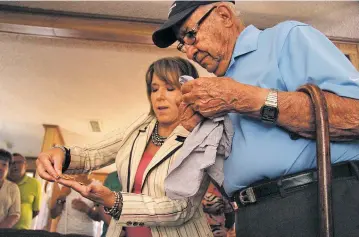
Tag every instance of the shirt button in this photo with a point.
(135, 223)
(128, 223)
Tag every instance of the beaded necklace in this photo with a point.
(156, 138)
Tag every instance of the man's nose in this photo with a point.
(191, 51)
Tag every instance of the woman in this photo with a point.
(143, 157)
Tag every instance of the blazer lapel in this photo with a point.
(173, 142)
(139, 146)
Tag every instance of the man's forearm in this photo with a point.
(93, 213)
(98, 214)
(9, 221)
(104, 217)
(297, 115)
(55, 211)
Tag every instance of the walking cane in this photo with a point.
(323, 159)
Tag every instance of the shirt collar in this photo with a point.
(246, 42)
(23, 180)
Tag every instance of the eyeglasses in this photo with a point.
(190, 36)
(19, 162)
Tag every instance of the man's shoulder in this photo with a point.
(112, 175)
(31, 184)
(290, 24)
(11, 186)
(287, 26)
(284, 27)
(109, 177)
(33, 181)
(112, 182)
(278, 34)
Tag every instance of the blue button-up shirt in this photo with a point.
(284, 57)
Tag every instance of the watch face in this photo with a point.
(269, 114)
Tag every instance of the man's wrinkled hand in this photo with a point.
(189, 119)
(211, 96)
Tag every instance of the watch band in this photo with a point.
(60, 202)
(269, 111)
(67, 154)
(272, 98)
(60, 147)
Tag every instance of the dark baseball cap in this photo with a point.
(179, 11)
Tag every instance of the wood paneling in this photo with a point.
(76, 27)
(52, 137)
(351, 50)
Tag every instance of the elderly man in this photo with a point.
(258, 73)
(30, 191)
(9, 194)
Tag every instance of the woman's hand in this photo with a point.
(95, 191)
(49, 164)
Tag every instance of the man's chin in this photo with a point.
(14, 176)
(210, 68)
(216, 70)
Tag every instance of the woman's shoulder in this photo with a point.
(141, 123)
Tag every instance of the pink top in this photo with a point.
(140, 231)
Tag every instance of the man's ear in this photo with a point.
(226, 15)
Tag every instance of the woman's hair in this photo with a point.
(169, 70)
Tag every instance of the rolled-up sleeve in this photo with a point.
(15, 208)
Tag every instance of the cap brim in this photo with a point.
(164, 36)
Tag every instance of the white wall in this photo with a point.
(67, 83)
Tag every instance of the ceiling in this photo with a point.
(334, 18)
(70, 82)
